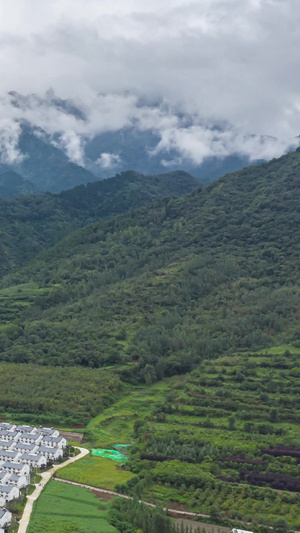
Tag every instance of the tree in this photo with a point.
(281, 526)
(215, 514)
(231, 422)
(149, 375)
(273, 417)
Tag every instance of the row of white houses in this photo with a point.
(21, 449)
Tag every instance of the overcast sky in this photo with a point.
(234, 61)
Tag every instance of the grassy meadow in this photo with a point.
(96, 471)
(65, 508)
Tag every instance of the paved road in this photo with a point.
(46, 476)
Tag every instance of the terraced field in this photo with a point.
(226, 436)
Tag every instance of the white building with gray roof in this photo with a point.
(5, 519)
(19, 481)
(9, 455)
(30, 438)
(54, 442)
(22, 448)
(34, 460)
(50, 432)
(8, 493)
(9, 435)
(16, 468)
(52, 454)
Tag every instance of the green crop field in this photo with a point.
(96, 471)
(65, 508)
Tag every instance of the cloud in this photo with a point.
(205, 63)
(73, 146)
(9, 137)
(108, 161)
(198, 142)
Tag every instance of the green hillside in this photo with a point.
(226, 435)
(30, 224)
(163, 286)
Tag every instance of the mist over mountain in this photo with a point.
(59, 143)
(131, 148)
(39, 161)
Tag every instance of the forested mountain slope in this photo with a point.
(12, 185)
(29, 224)
(167, 284)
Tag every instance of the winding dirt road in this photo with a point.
(46, 476)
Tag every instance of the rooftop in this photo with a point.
(6, 488)
(3, 512)
(15, 466)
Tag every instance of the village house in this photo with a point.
(54, 442)
(50, 432)
(9, 435)
(4, 476)
(30, 438)
(34, 460)
(18, 481)
(22, 448)
(6, 444)
(52, 454)
(7, 455)
(26, 429)
(5, 426)
(8, 493)
(5, 519)
(16, 468)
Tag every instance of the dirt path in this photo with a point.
(46, 476)
(174, 513)
(181, 516)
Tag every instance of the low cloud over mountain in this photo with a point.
(200, 80)
(114, 131)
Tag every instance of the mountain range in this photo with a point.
(214, 271)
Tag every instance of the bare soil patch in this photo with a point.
(193, 524)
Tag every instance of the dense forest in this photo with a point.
(28, 224)
(46, 394)
(167, 284)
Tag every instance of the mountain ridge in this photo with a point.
(172, 282)
(30, 223)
